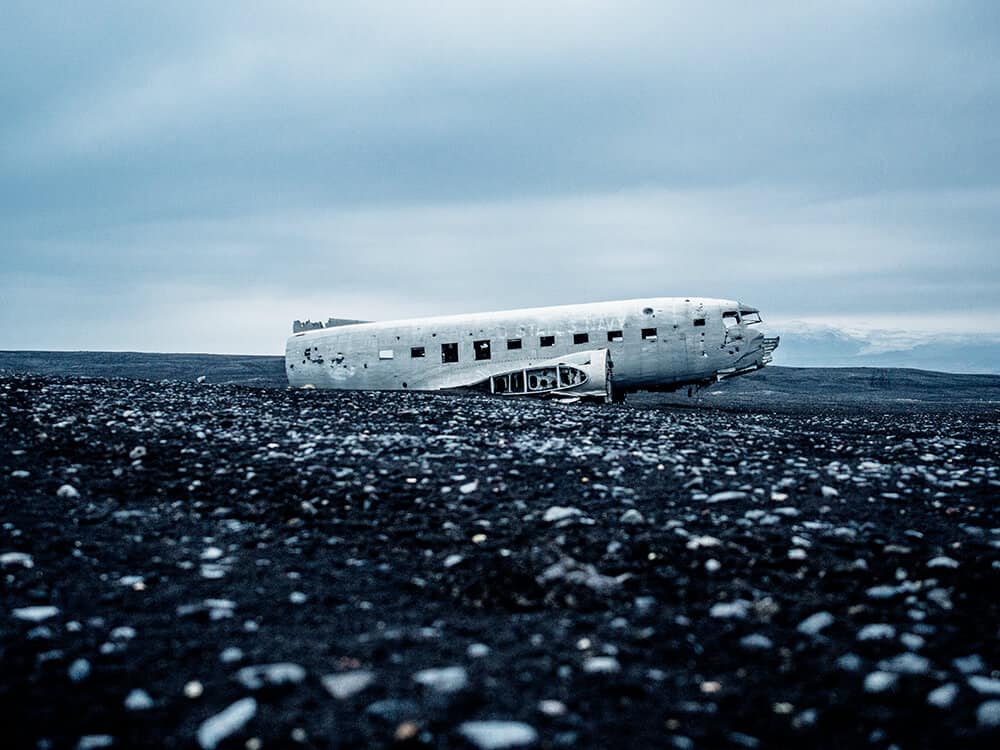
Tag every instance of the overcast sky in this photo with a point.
(192, 177)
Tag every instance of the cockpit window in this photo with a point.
(749, 315)
(730, 318)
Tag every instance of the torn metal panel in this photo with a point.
(300, 326)
(579, 375)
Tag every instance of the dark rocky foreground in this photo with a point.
(227, 566)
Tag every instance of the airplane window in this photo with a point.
(547, 340)
(513, 343)
(699, 321)
(615, 336)
(649, 334)
(581, 338)
(449, 352)
(482, 349)
(416, 352)
(385, 354)
(730, 319)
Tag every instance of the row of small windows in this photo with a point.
(483, 350)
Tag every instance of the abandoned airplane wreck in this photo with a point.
(597, 351)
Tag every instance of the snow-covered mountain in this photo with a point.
(812, 345)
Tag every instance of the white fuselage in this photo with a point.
(654, 343)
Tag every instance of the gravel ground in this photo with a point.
(194, 565)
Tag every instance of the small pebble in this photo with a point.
(988, 714)
(721, 497)
(443, 679)
(226, 723)
(601, 665)
(193, 689)
(16, 558)
(35, 614)
(880, 682)
(552, 707)
(231, 655)
(79, 670)
(559, 513)
(876, 632)
(632, 517)
(907, 663)
(806, 718)
(95, 742)
(969, 664)
(123, 633)
(813, 624)
(756, 642)
(984, 685)
(347, 684)
(498, 735)
(138, 700)
(274, 675)
(944, 696)
(393, 711)
(736, 610)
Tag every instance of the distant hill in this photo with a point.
(236, 369)
(824, 346)
(854, 388)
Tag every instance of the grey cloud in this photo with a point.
(815, 159)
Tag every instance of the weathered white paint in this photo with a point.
(679, 353)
